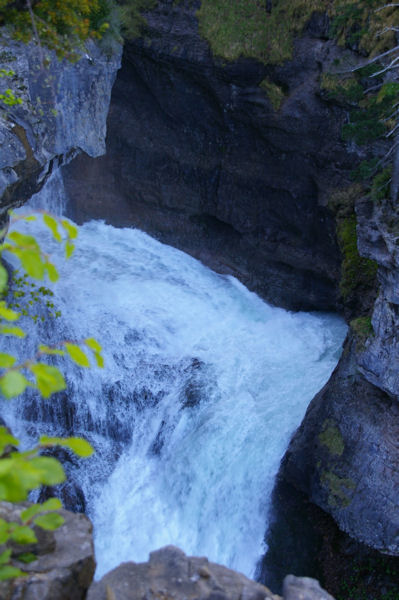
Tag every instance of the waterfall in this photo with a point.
(203, 386)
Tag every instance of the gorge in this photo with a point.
(199, 156)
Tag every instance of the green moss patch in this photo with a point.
(356, 271)
(340, 489)
(363, 329)
(274, 92)
(332, 438)
(237, 28)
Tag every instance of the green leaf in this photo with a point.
(78, 445)
(28, 513)
(53, 226)
(51, 504)
(71, 230)
(15, 331)
(69, 249)
(47, 350)
(5, 557)
(8, 572)
(52, 272)
(7, 313)
(24, 241)
(6, 439)
(3, 279)
(13, 384)
(32, 262)
(77, 355)
(23, 535)
(49, 379)
(49, 521)
(4, 533)
(49, 470)
(99, 360)
(36, 509)
(93, 344)
(26, 557)
(7, 360)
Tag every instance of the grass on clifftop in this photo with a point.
(237, 28)
(248, 28)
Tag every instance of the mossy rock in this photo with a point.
(266, 30)
(331, 437)
(356, 272)
(274, 92)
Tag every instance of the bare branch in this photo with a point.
(392, 65)
(386, 30)
(372, 60)
(392, 131)
(390, 5)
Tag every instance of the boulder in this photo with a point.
(169, 573)
(65, 563)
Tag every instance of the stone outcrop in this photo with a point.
(63, 111)
(169, 573)
(198, 157)
(65, 564)
(345, 454)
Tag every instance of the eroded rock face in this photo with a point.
(65, 561)
(378, 233)
(345, 456)
(169, 573)
(198, 157)
(63, 111)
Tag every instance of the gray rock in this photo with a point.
(197, 157)
(169, 573)
(378, 232)
(303, 588)
(65, 562)
(63, 111)
(344, 456)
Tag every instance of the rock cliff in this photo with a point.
(198, 156)
(63, 112)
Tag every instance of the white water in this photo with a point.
(204, 382)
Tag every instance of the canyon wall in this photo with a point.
(199, 156)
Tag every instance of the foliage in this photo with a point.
(344, 90)
(60, 25)
(8, 97)
(246, 28)
(266, 31)
(131, 18)
(20, 472)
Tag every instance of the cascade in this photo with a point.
(203, 386)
